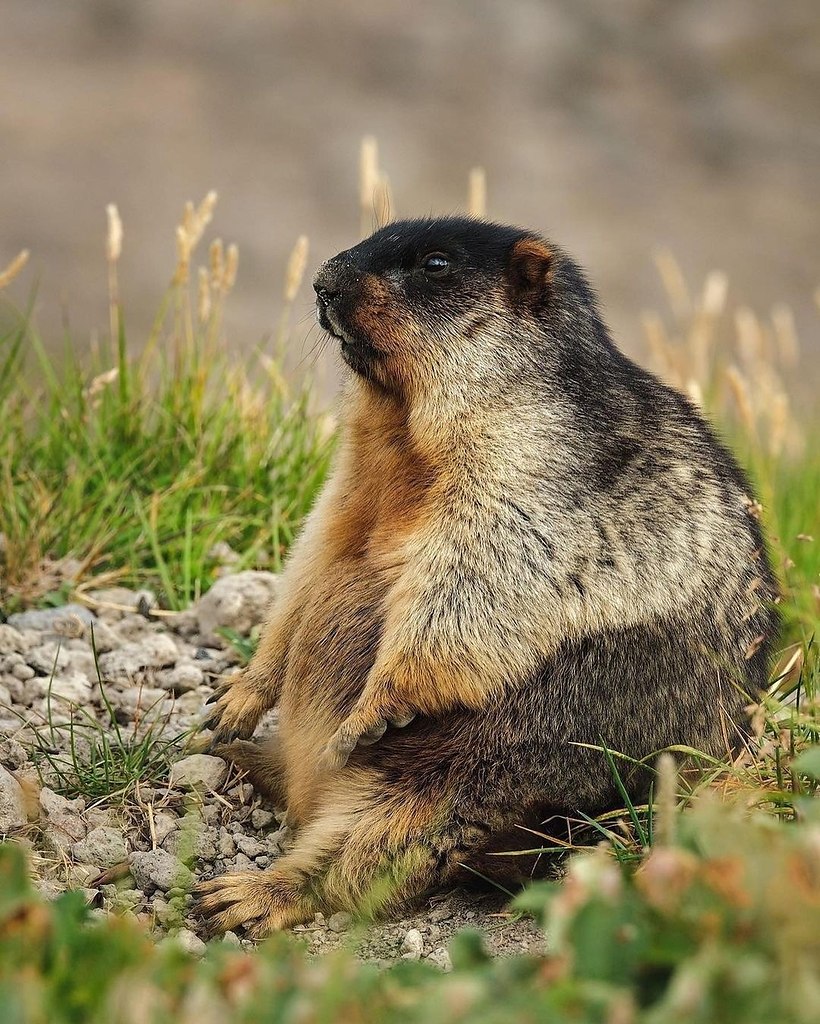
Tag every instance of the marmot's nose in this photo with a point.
(331, 279)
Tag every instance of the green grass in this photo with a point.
(141, 475)
(78, 755)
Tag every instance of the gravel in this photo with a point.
(143, 855)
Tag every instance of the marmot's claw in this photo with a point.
(402, 721)
(373, 734)
(337, 753)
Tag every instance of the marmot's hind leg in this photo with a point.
(368, 850)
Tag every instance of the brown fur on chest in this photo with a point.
(386, 495)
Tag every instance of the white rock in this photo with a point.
(66, 620)
(164, 825)
(73, 687)
(237, 602)
(412, 945)
(12, 803)
(199, 771)
(158, 869)
(12, 754)
(249, 845)
(182, 679)
(20, 670)
(5, 697)
(103, 846)
(63, 825)
(340, 921)
(190, 942)
(55, 806)
(156, 650)
(12, 640)
(441, 958)
(48, 658)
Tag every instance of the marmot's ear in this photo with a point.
(530, 264)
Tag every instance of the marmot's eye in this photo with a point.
(436, 264)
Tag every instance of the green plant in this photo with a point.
(138, 466)
(102, 760)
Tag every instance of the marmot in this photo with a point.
(529, 547)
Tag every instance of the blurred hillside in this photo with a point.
(616, 128)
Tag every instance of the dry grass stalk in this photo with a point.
(295, 272)
(368, 179)
(674, 283)
(203, 295)
(477, 193)
(113, 246)
(382, 202)
(689, 357)
(666, 800)
(14, 268)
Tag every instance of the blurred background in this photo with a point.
(614, 128)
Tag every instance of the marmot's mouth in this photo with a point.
(355, 350)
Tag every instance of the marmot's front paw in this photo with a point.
(260, 902)
(364, 727)
(239, 705)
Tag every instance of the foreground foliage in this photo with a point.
(720, 924)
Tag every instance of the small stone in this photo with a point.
(319, 919)
(441, 958)
(263, 861)
(103, 846)
(227, 847)
(55, 806)
(243, 863)
(340, 921)
(72, 686)
(249, 846)
(158, 869)
(63, 826)
(49, 889)
(199, 771)
(190, 942)
(182, 679)
(261, 818)
(12, 754)
(192, 841)
(20, 670)
(12, 640)
(231, 939)
(412, 945)
(156, 650)
(48, 659)
(12, 803)
(54, 620)
(440, 913)
(238, 602)
(164, 825)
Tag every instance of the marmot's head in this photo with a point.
(440, 304)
